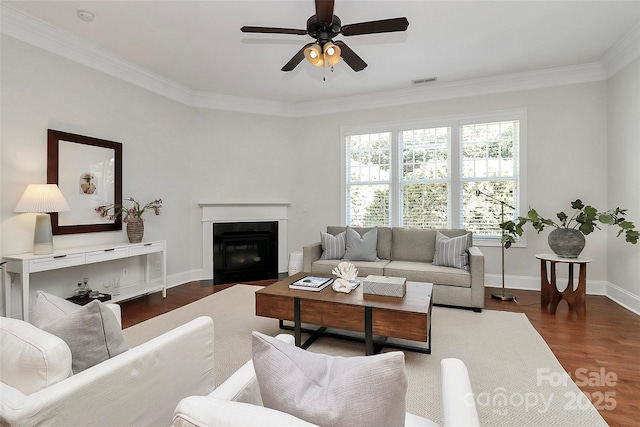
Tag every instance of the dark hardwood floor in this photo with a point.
(601, 352)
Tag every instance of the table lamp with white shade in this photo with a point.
(42, 199)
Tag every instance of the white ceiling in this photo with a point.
(198, 44)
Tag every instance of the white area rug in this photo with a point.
(516, 378)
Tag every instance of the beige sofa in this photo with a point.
(408, 253)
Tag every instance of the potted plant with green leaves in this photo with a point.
(567, 239)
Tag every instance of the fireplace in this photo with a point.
(227, 212)
(245, 251)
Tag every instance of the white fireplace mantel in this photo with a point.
(242, 212)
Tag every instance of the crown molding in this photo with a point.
(30, 30)
(459, 89)
(38, 33)
(215, 101)
(623, 52)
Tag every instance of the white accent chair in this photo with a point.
(237, 402)
(141, 386)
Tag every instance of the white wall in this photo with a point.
(623, 181)
(187, 155)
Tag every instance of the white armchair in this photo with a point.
(139, 387)
(237, 402)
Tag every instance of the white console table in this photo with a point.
(28, 263)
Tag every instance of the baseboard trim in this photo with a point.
(623, 298)
(184, 277)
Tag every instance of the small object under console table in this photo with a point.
(25, 264)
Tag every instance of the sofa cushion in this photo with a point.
(361, 247)
(31, 359)
(365, 268)
(413, 244)
(92, 333)
(452, 251)
(418, 245)
(384, 237)
(328, 390)
(333, 247)
(429, 273)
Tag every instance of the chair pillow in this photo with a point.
(48, 308)
(333, 247)
(32, 359)
(452, 251)
(361, 248)
(92, 332)
(331, 391)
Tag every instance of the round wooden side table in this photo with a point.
(550, 296)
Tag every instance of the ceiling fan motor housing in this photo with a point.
(321, 31)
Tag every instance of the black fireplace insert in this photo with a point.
(245, 251)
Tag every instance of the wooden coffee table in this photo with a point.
(407, 318)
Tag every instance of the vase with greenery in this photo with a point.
(131, 216)
(569, 231)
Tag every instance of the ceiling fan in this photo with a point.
(324, 26)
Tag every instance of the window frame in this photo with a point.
(454, 163)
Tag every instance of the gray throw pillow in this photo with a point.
(331, 391)
(92, 333)
(333, 247)
(361, 248)
(452, 251)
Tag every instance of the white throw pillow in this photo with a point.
(452, 251)
(49, 308)
(361, 248)
(333, 247)
(31, 359)
(331, 391)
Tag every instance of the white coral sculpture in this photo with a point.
(346, 270)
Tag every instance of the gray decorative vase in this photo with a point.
(566, 242)
(135, 231)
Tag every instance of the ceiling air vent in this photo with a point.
(421, 81)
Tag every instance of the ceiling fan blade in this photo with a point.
(324, 11)
(372, 27)
(272, 30)
(350, 57)
(297, 58)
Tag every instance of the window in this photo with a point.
(427, 175)
(489, 164)
(369, 165)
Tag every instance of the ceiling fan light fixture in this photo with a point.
(313, 54)
(332, 54)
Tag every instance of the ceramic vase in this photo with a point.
(566, 242)
(135, 230)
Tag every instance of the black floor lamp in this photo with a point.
(500, 295)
